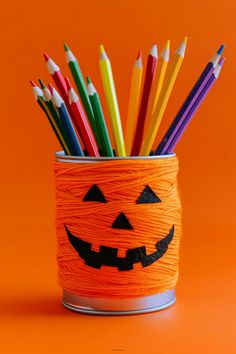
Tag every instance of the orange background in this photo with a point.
(33, 321)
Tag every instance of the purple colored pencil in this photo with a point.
(189, 102)
(172, 144)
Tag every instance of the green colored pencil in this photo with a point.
(99, 119)
(82, 89)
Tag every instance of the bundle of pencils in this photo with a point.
(77, 118)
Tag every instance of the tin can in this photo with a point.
(106, 305)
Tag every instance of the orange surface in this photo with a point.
(33, 321)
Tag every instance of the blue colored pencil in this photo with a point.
(76, 149)
(189, 101)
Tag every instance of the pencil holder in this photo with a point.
(118, 223)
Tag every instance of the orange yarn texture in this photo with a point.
(121, 183)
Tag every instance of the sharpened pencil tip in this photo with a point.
(46, 57)
(167, 46)
(101, 48)
(221, 49)
(153, 51)
(139, 56)
(66, 47)
(42, 84)
(181, 50)
(88, 80)
(165, 53)
(32, 83)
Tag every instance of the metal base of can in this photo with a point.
(106, 306)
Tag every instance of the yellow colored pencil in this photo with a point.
(163, 100)
(110, 95)
(134, 100)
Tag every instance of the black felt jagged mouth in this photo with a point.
(108, 255)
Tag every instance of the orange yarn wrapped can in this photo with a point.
(118, 224)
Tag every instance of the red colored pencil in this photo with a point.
(149, 76)
(81, 122)
(57, 76)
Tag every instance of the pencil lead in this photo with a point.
(88, 80)
(42, 84)
(66, 47)
(221, 49)
(46, 57)
(139, 56)
(167, 44)
(102, 50)
(33, 84)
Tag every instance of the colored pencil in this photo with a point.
(163, 100)
(158, 82)
(82, 89)
(81, 122)
(189, 101)
(111, 99)
(67, 123)
(149, 76)
(178, 134)
(57, 76)
(134, 100)
(100, 120)
(39, 97)
(54, 113)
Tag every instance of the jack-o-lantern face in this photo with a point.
(108, 256)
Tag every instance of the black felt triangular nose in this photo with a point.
(94, 195)
(122, 222)
(148, 196)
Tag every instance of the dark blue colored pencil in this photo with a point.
(76, 149)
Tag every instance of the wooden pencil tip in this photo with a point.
(42, 84)
(32, 83)
(181, 50)
(153, 51)
(66, 47)
(46, 57)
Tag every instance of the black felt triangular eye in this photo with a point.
(94, 195)
(121, 222)
(148, 196)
